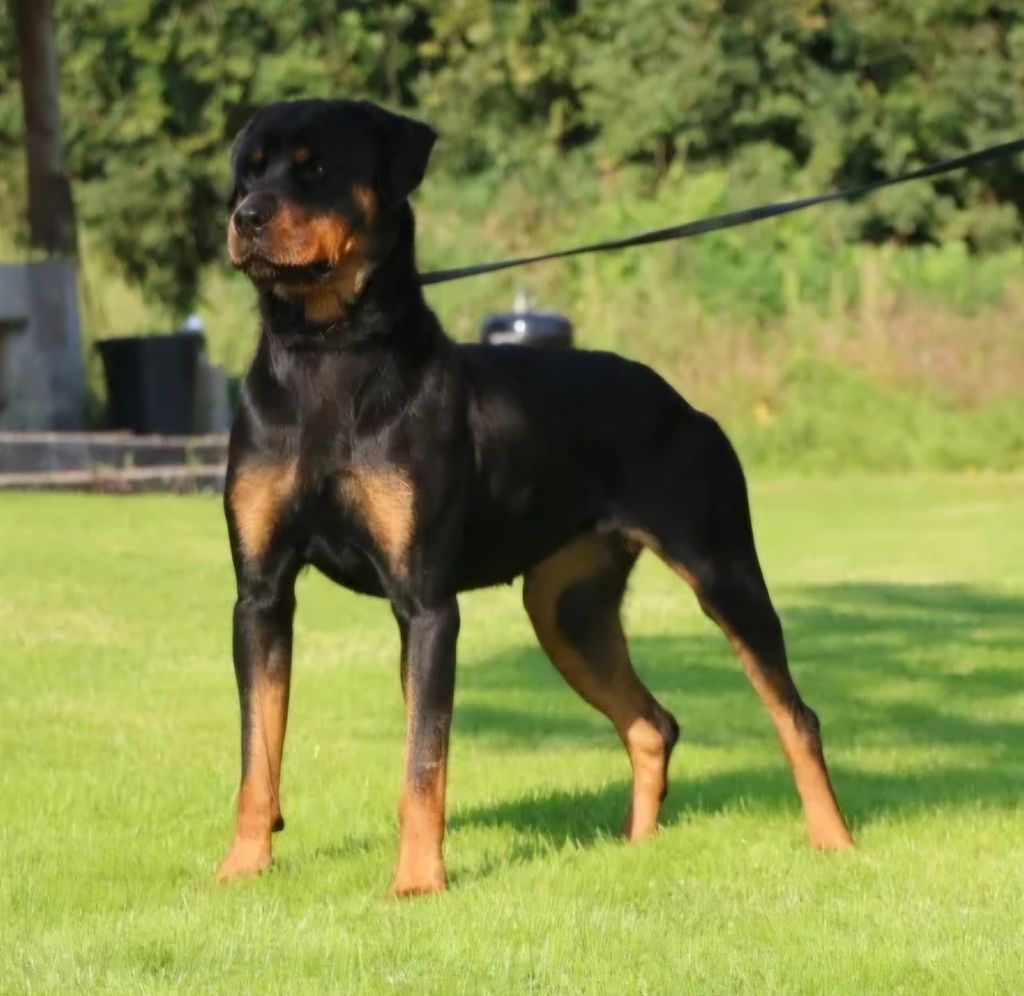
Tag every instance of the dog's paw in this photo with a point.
(246, 859)
(835, 838)
(420, 881)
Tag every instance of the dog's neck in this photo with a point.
(379, 299)
(386, 335)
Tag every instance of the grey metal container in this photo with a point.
(526, 326)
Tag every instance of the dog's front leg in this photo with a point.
(263, 658)
(428, 683)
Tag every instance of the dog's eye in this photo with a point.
(255, 163)
(315, 170)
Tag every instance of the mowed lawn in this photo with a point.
(903, 600)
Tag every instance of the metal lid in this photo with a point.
(524, 324)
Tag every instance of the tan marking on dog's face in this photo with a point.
(256, 158)
(385, 501)
(258, 496)
(301, 155)
(329, 300)
(366, 198)
(294, 237)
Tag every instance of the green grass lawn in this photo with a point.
(904, 605)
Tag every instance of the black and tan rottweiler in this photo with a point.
(402, 465)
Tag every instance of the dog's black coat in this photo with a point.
(504, 456)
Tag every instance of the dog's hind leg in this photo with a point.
(703, 532)
(573, 600)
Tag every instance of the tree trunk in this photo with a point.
(51, 211)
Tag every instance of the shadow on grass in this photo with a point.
(886, 665)
(586, 816)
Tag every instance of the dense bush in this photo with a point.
(885, 334)
(783, 96)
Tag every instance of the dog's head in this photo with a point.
(318, 189)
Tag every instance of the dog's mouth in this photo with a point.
(263, 271)
(319, 263)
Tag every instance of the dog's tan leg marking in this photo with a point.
(774, 685)
(259, 495)
(601, 671)
(421, 819)
(826, 828)
(259, 799)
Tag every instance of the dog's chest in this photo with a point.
(355, 524)
(378, 502)
(342, 507)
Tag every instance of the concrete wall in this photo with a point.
(42, 367)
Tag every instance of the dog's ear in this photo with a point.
(406, 145)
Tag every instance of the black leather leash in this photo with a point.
(733, 218)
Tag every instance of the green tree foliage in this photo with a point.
(787, 95)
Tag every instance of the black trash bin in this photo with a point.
(526, 326)
(151, 382)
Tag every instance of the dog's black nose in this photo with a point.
(254, 212)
